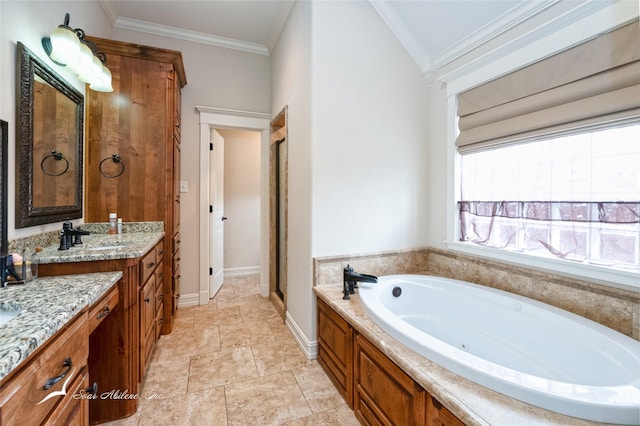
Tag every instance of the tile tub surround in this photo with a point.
(126, 246)
(46, 305)
(471, 403)
(612, 307)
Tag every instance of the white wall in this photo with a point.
(216, 77)
(241, 201)
(357, 170)
(369, 135)
(290, 86)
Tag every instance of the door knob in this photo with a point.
(223, 218)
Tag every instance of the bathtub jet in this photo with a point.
(350, 280)
(520, 347)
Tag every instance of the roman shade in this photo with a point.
(594, 84)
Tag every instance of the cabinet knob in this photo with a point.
(150, 265)
(147, 300)
(52, 381)
(92, 390)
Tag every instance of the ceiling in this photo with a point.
(428, 29)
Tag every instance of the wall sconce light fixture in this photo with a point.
(67, 47)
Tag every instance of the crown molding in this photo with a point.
(510, 19)
(193, 36)
(233, 112)
(402, 33)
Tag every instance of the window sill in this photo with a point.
(614, 277)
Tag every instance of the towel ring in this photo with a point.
(56, 155)
(116, 159)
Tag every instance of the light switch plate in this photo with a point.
(184, 187)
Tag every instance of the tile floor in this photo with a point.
(234, 362)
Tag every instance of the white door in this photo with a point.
(216, 215)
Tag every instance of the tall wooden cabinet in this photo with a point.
(132, 164)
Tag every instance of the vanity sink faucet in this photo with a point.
(66, 240)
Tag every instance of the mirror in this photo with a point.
(49, 144)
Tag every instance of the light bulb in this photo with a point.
(65, 45)
(104, 83)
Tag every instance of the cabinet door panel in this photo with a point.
(383, 390)
(129, 122)
(335, 350)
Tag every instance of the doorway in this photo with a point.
(278, 212)
(212, 118)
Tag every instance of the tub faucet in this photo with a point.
(67, 233)
(351, 278)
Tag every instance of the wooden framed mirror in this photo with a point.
(49, 144)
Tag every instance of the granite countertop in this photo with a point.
(46, 305)
(470, 402)
(102, 247)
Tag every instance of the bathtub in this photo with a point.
(517, 346)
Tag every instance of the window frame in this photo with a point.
(549, 40)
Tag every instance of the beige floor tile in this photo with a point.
(258, 308)
(206, 318)
(270, 400)
(166, 378)
(183, 320)
(276, 356)
(188, 343)
(337, 417)
(245, 333)
(220, 368)
(201, 408)
(320, 393)
(279, 329)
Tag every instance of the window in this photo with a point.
(575, 197)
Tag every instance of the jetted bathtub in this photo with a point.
(517, 346)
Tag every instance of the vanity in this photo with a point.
(120, 349)
(44, 349)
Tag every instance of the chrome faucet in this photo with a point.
(67, 233)
(350, 280)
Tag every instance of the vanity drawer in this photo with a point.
(176, 242)
(159, 288)
(159, 251)
(147, 265)
(21, 396)
(102, 308)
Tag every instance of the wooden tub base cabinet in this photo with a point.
(379, 391)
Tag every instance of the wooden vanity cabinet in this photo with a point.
(151, 305)
(120, 347)
(22, 391)
(379, 391)
(139, 121)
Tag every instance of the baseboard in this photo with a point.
(310, 348)
(187, 300)
(241, 272)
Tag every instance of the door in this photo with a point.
(216, 215)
